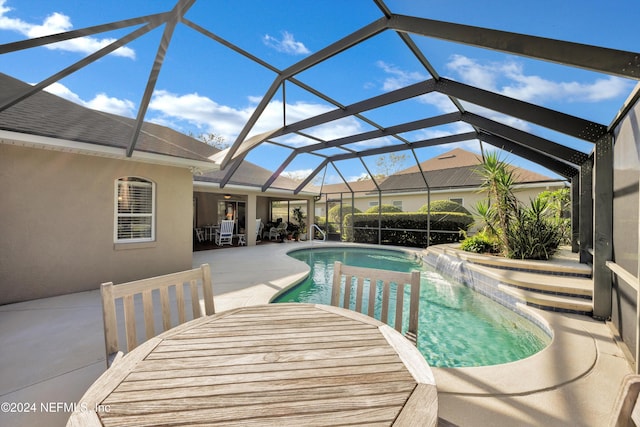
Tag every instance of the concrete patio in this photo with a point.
(53, 349)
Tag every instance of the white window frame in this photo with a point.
(397, 203)
(117, 214)
(372, 204)
(455, 199)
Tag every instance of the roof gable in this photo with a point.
(451, 159)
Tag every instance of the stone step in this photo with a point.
(565, 285)
(546, 301)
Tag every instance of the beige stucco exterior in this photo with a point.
(57, 226)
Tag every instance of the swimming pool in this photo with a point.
(457, 326)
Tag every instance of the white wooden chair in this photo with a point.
(146, 287)
(275, 232)
(373, 276)
(224, 234)
(199, 234)
(626, 410)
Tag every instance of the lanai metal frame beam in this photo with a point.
(549, 148)
(604, 60)
(174, 17)
(13, 99)
(545, 117)
(523, 151)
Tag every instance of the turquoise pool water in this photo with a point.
(457, 327)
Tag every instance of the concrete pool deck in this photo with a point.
(53, 350)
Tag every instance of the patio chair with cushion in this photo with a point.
(224, 234)
(169, 290)
(354, 284)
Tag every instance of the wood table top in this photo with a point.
(274, 364)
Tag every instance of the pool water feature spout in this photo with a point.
(451, 268)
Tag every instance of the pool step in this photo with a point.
(548, 301)
(547, 283)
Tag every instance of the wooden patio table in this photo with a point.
(274, 364)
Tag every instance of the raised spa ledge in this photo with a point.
(562, 263)
(560, 284)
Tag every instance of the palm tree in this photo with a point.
(498, 182)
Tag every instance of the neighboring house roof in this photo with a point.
(356, 186)
(457, 168)
(455, 158)
(48, 115)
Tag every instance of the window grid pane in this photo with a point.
(134, 228)
(134, 209)
(135, 198)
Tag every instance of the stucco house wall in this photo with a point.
(57, 223)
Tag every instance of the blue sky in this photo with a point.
(206, 88)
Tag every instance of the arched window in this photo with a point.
(135, 210)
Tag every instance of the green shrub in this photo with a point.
(406, 228)
(444, 206)
(384, 208)
(481, 243)
(334, 212)
(533, 232)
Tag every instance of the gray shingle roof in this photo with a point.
(45, 114)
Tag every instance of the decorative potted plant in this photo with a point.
(298, 215)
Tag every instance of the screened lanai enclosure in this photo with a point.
(389, 79)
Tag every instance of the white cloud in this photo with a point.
(121, 107)
(297, 175)
(438, 100)
(510, 79)
(474, 73)
(206, 114)
(58, 23)
(398, 78)
(286, 44)
(101, 102)
(201, 112)
(181, 112)
(438, 132)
